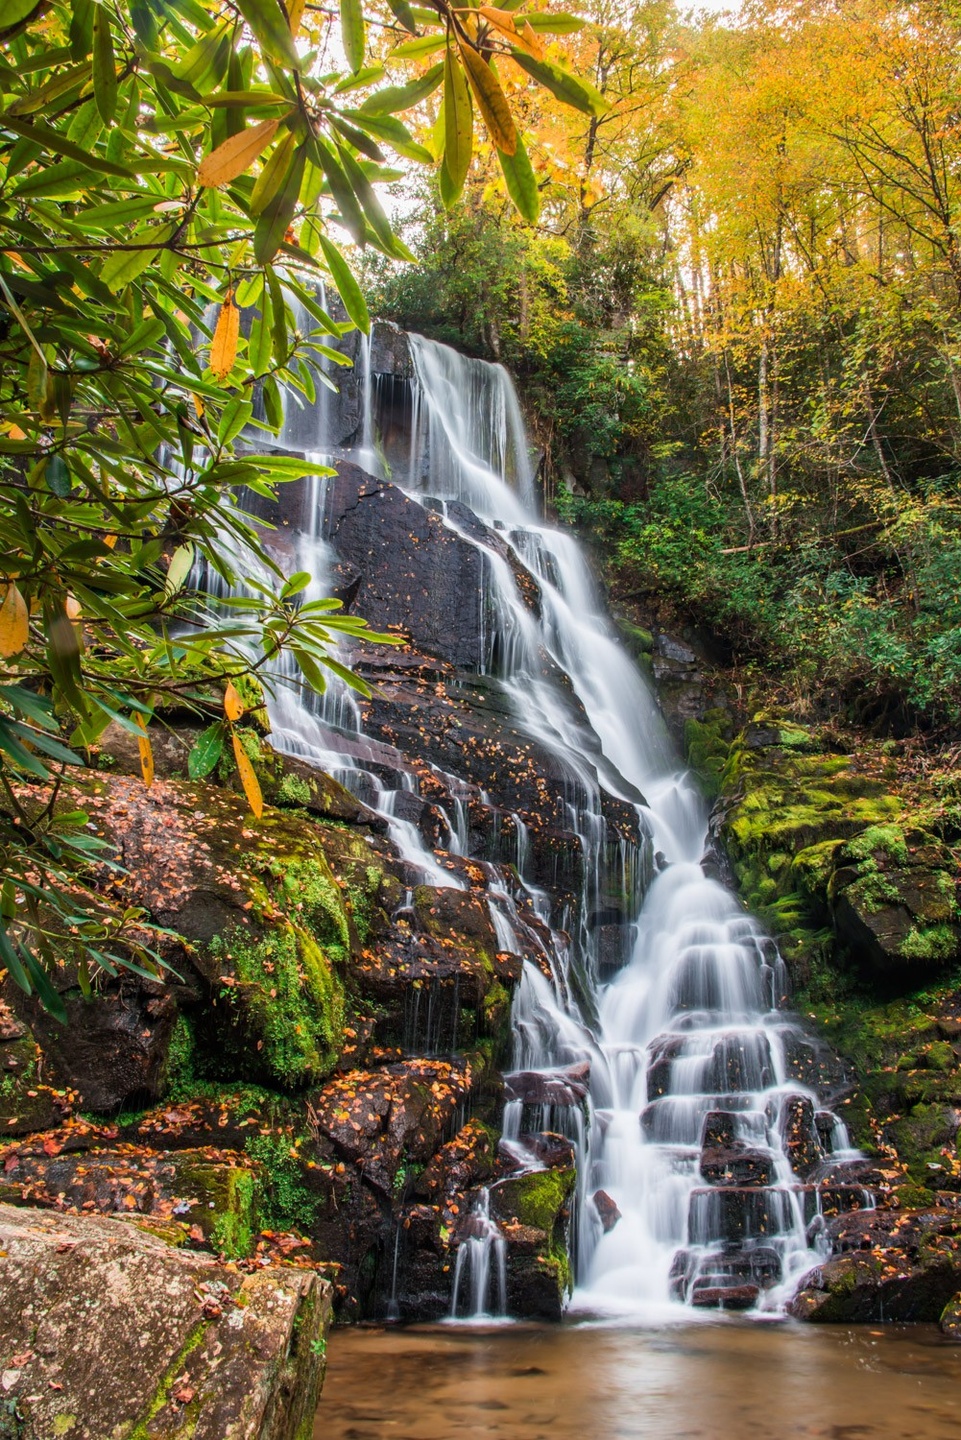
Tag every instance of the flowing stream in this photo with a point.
(702, 1154)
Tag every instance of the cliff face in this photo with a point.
(848, 846)
(319, 1074)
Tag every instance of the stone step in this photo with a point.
(737, 1165)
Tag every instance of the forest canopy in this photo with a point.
(738, 325)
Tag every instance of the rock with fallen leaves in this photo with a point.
(104, 1329)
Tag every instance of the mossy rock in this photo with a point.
(539, 1204)
(227, 1203)
(26, 1105)
(281, 1004)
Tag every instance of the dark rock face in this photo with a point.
(113, 1049)
(886, 1265)
(417, 575)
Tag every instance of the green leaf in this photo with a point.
(568, 88)
(458, 126)
(402, 12)
(353, 32)
(104, 65)
(60, 145)
(122, 266)
(373, 210)
(550, 24)
(401, 97)
(340, 188)
(270, 26)
(272, 175)
(237, 413)
(277, 216)
(521, 181)
(417, 49)
(57, 476)
(11, 961)
(207, 750)
(81, 28)
(395, 133)
(260, 346)
(347, 287)
(49, 998)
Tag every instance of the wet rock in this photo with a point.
(737, 1165)
(887, 1266)
(799, 1134)
(418, 575)
(26, 1104)
(533, 1213)
(400, 1114)
(720, 1130)
(950, 1321)
(554, 1152)
(606, 1209)
(111, 1329)
(458, 1166)
(204, 1196)
(113, 1048)
(390, 351)
(705, 1296)
(812, 1063)
(561, 1087)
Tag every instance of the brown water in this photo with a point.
(712, 1381)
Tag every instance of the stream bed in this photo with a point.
(582, 1381)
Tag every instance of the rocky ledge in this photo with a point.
(107, 1330)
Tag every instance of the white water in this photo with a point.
(690, 1027)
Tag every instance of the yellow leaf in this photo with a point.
(233, 705)
(16, 433)
(491, 100)
(110, 541)
(14, 622)
(236, 154)
(295, 13)
(503, 21)
(247, 777)
(223, 347)
(73, 608)
(146, 752)
(198, 406)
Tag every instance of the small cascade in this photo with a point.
(480, 1270)
(649, 1023)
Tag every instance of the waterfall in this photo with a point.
(701, 1151)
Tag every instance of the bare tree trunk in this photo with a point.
(737, 458)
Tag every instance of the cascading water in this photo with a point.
(701, 1156)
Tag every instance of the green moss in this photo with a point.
(143, 1430)
(294, 790)
(307, 890)
(287, 1202)
(229, 1205)
(180, 1059)
(707, 746)
(885, 839)
(930, 943)
(291, 997)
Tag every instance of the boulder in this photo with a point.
(104, 1328)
